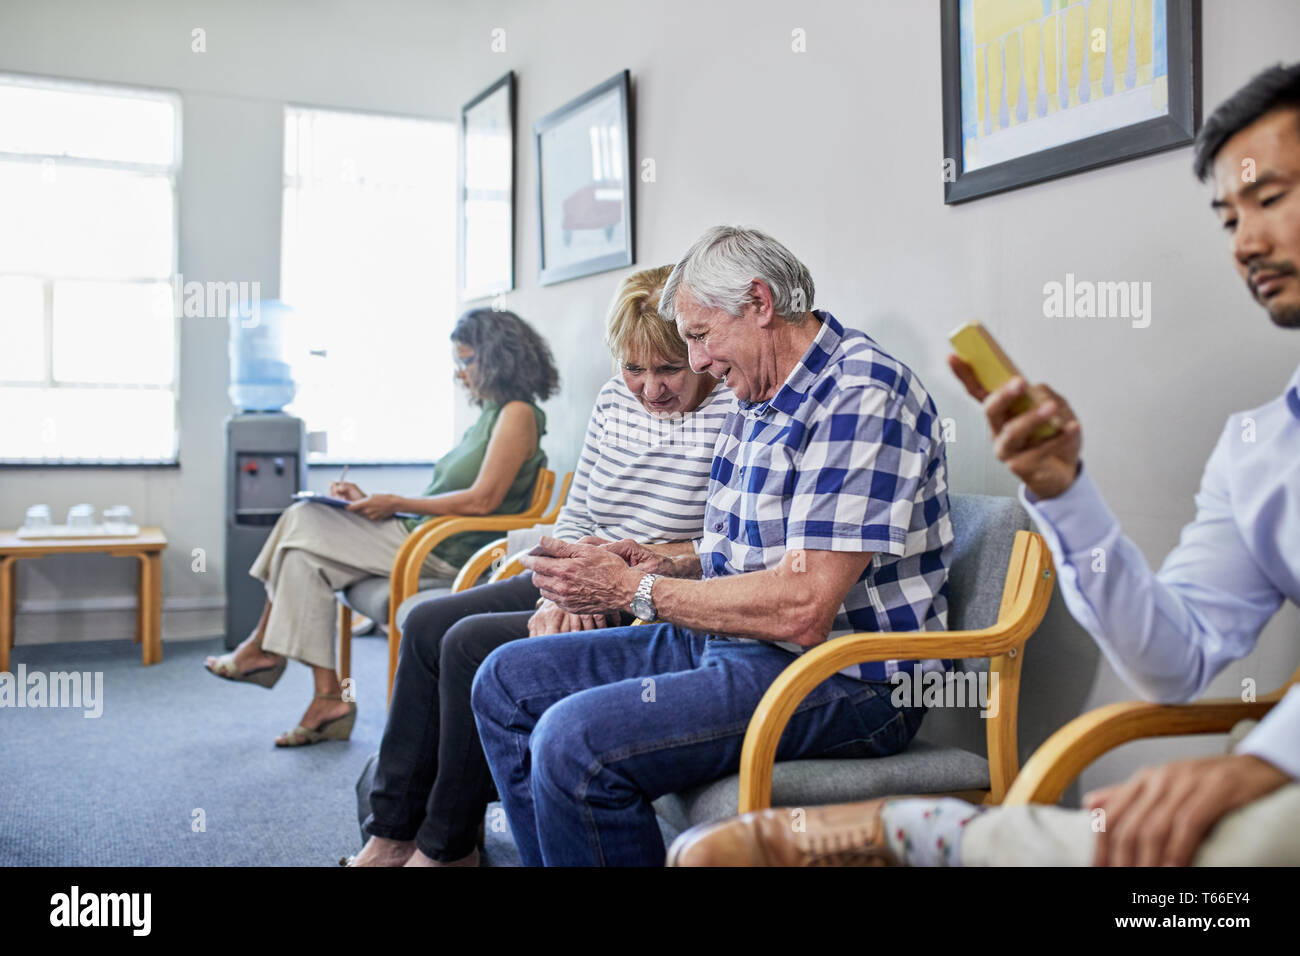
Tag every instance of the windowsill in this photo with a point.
(176, 464)
(90, 464)
(369, 464)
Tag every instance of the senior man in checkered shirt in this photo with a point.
(827, 514)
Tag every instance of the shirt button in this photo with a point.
(718, 526)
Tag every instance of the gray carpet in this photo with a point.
(122, 789)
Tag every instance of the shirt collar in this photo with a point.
(1293, 395)
(806, 370)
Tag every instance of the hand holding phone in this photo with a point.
(1035, 432)
(993, 369)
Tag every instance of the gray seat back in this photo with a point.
(984, 530)
(1060, 659)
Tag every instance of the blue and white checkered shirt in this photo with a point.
(847, 456)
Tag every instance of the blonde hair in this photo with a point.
(635, 327)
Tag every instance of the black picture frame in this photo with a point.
(549, 271)
(1177, 128)
(505, 85)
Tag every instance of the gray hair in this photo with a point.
(722, 263)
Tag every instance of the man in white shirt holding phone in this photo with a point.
(1167, 633)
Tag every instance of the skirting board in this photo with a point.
(108, 619)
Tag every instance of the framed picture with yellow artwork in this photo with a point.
(1037, 89)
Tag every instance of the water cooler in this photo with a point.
(266, 462)
(266, 455)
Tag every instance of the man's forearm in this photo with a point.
(678, 549)
(685, 565)
(758, 605)
(1166, 634)
(796, 601)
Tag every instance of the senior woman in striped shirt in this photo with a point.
(642, 475)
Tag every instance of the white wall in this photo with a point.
(835, 151)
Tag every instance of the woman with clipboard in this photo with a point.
(314, 551)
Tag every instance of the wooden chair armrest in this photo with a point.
(758, 755)
(1026, 593)
(405, 574)
(509, 567)
(402, 560)
(407, 582)
(479, 562)
(1065, 754)
(554, 513)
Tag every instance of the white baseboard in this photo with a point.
(109, 619)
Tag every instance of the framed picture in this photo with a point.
(487, 191)
(1036, 89)
(584, 183)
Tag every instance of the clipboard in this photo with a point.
(343, 503)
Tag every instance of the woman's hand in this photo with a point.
(550, 619)
(346, 490)
(377, 507)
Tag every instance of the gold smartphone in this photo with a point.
(978, 349)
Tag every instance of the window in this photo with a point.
(87, 258)
(368, 264)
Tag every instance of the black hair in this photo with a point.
(511, 361)
(1277, 87)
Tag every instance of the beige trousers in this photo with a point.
(313, 551)
(1263, 833)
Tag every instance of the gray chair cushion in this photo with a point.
(369, 596)
(922, 768)
(949, 751)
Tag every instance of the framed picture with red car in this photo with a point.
(584, 183)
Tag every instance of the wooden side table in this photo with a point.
(147, 546)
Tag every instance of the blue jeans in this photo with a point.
(582, 731)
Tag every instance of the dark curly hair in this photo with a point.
(511, 361)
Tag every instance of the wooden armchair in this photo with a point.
(1025, 595)
(1065, 754)
(404, 579)
(985, 541)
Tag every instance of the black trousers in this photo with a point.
(432, 782)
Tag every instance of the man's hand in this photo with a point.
(641, 558)
(581, 578)
(550, 618)
(1047, 468)
(1161, 815)
(346, 490)
(638, 556)
(377, 507)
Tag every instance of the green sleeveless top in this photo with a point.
(456, 471)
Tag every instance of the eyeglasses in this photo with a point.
(462, 363)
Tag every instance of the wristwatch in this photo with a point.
(642, 606)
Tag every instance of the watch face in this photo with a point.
(642, 609)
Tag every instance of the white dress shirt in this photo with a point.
(1169, 633)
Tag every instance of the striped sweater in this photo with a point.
(643, 477)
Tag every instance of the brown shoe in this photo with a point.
(844, 834)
